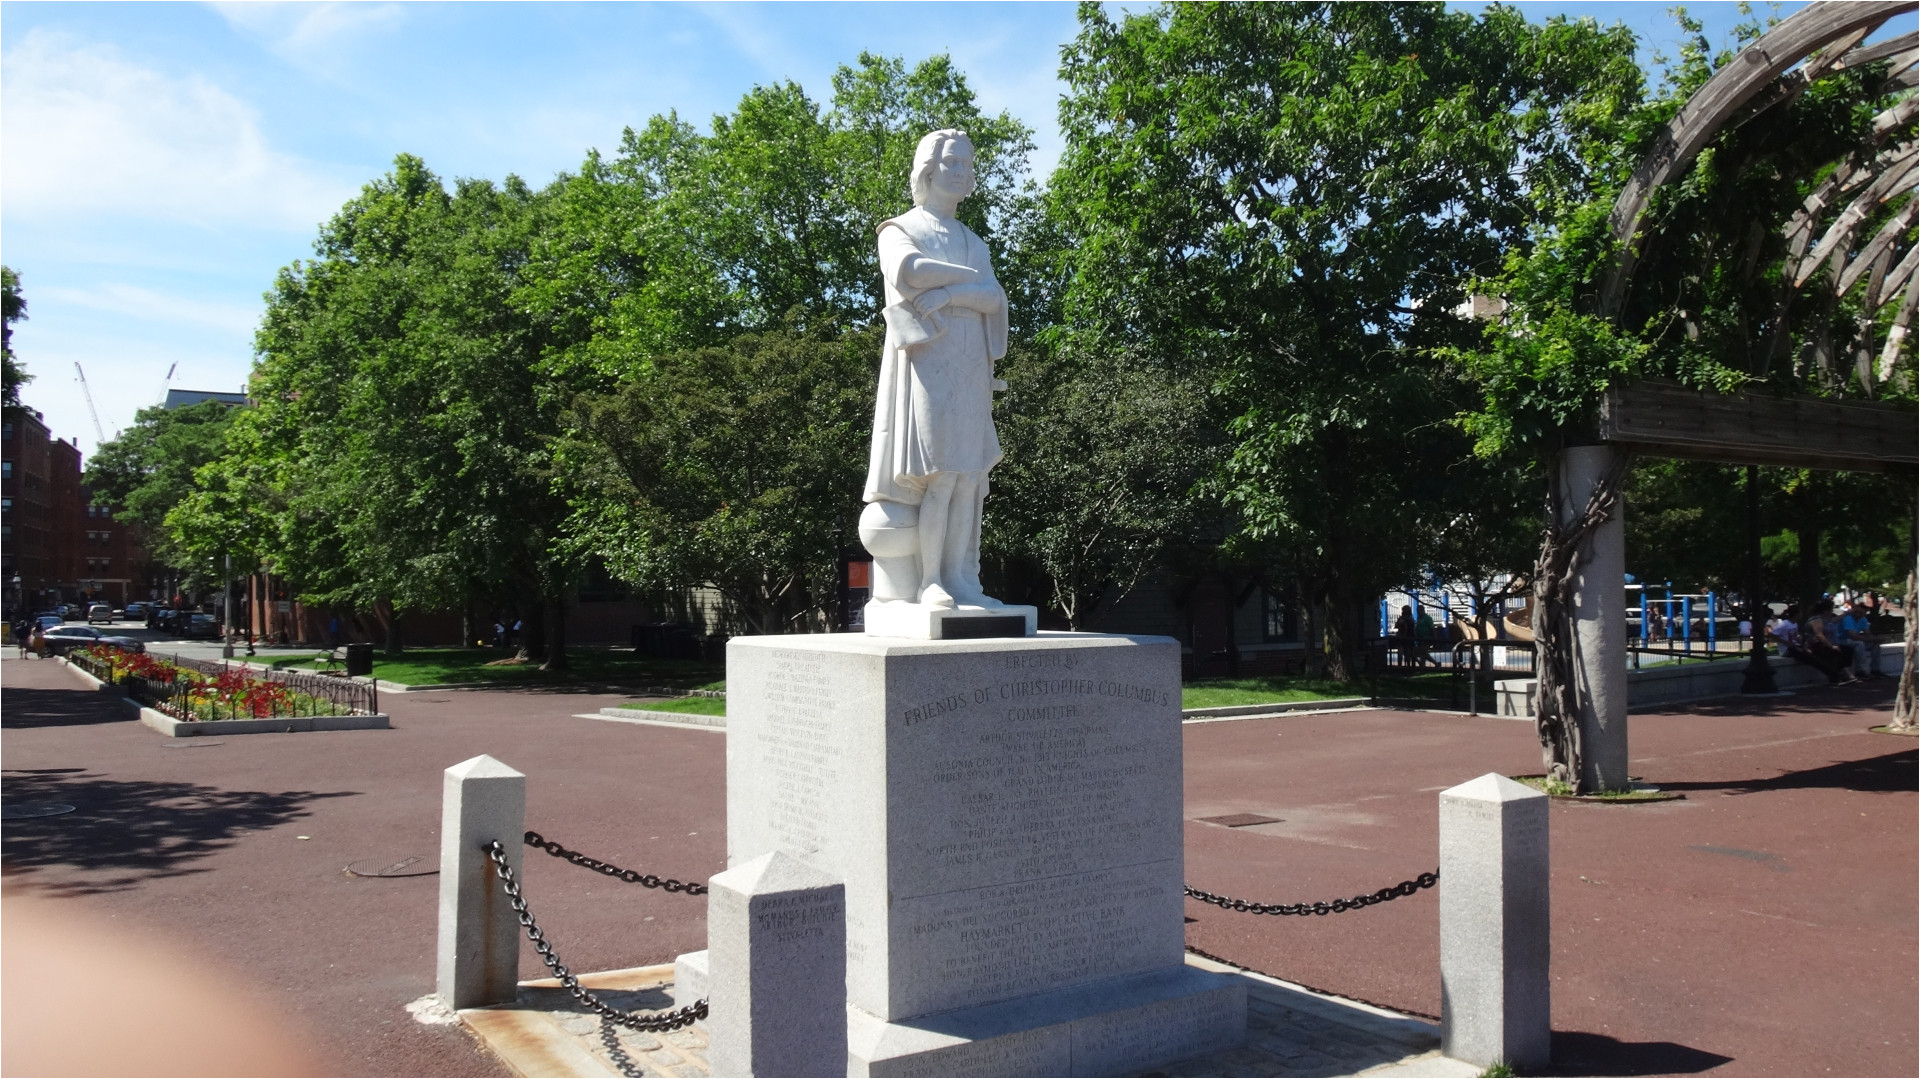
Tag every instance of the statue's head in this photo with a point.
(943, 161)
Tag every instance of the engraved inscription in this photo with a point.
(794, 749)
(796, 916)
(1046, 1051)
(994, 943)
(1159, 1033)
(1040, 774)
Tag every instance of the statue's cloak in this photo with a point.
(934, 409)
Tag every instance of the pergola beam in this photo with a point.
(1664, 419)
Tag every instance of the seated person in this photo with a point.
(1854, 636)
(1814, 647)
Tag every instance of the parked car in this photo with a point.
(64, 639)
(135, 612)
(158, 617)
(199, 625)
(70, 610)
(48, 621)
(99, 612)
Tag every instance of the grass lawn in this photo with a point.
(1278, 689)
(699, 706)
(442, 666)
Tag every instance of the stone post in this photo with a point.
(1599, 623)
(1495, 1004)
(777, 945)
(479, 955)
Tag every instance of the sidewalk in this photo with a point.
(1766, 925)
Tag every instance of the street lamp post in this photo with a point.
(226, 608)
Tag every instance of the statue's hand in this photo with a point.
(932, 300)
(985, 298)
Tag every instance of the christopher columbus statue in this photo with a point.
(933, 436)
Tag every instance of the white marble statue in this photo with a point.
(933, 436)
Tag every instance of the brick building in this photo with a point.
(113, 560)
(26, 494)
(56, 546)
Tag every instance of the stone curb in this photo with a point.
(672, 719)
(180, 728)
(1234, 711)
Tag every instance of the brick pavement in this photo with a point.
(1765, 925)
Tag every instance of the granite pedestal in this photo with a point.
(1006, 817)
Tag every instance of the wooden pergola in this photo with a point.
(1830, 257)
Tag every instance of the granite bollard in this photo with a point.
(777, 945)
(1494, 926)
(479, 948)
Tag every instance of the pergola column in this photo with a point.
(1599, 622)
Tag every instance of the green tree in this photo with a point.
(683, 239)
(13, 308)
(745, 250)
(736, 466)
(400, 454)
(1105, 461)
(149, 469)
(1285, 200)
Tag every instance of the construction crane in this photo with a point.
(161, 397)
(91, 411)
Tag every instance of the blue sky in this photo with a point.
(160, 161)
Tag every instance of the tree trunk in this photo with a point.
(1807, 521)
(533, 636)
(556, 619)
(1337, 633)
(393, 647)
(1562, 548)
(1904, 702)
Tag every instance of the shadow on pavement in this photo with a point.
(1580, 1053)
(29, 708)
(1876, 695)
(125, 831)
(1884, 774)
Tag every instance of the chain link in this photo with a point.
(617, 1052)
(651, 1022)
(1391, 892)
(631, 876)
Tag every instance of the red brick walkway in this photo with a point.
(1765, 926)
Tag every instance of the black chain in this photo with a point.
(1391, 892)
(617, 1052)
(651, 1022)
(631, 876)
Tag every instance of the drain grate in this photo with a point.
(374, 867)
(1240, 820)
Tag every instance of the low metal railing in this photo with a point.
(211, 690)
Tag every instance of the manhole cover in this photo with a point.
(24, 810)
(1241, 820)
(378, 867)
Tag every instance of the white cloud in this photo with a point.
(308, 35)
(151, 305)
(87, 131)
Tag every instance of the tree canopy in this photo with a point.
(1287, 201)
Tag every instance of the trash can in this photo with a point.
(359, 659)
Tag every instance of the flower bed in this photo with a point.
(208, 693)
